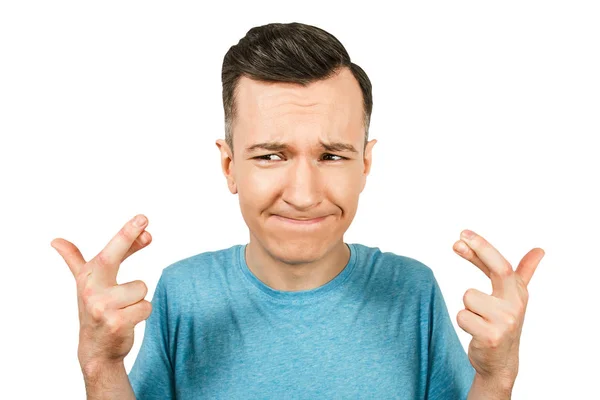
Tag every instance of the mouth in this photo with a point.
(300, 221)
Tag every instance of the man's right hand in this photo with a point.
(108, 312)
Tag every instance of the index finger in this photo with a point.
(106, 264)
(501, 272)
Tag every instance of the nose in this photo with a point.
(303, 186)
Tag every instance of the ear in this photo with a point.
(227, 164)
(367, 159)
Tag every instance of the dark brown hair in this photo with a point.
(292, 52)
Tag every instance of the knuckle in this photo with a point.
(144, 238)
(130, 229)
(87, 293)
(511, 322)
(114, 324)
(97, 310)
(468, 295)
(506, 271)
(142, 287)
(493, 340)
(478, 242)
(126, 232)
(103, 258)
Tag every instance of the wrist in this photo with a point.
(500, 386)
(95, 368)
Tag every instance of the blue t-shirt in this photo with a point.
(379, 330)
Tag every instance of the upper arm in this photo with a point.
(450, 373)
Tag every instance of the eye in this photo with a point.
(333, 155)
(265, 157)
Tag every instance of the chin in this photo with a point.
(298, 250)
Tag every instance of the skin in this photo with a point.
(495, 321)
(302, 181)
(296, 182)
(108, 313)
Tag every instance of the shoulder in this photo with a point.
(403, 282)
(200, 265)
(389, 262)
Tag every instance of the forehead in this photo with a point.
(330, 109)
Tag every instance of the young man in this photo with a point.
(296, 312)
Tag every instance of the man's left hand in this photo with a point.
(495, 321)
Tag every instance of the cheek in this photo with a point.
(346, 182)
(256, 189)
(262, 183)
(343, 188)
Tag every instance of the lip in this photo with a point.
(300, 222)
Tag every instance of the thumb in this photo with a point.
(70, 253)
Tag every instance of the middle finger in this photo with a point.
(106, 263)
(142, 241)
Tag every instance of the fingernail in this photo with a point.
(468, 234)
(139, 221)
(461, 247)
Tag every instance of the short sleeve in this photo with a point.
(151, 375)
(450, 373)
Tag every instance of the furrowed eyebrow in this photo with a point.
(279, 146)
(338, 146)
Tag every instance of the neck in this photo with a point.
(296, 275)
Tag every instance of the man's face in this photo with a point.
(299, 179)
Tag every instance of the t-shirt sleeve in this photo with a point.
(151, 375)
(450, 371)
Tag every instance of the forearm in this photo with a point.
(107, 382)
(482, 389)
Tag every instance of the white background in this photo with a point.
(487, 116)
